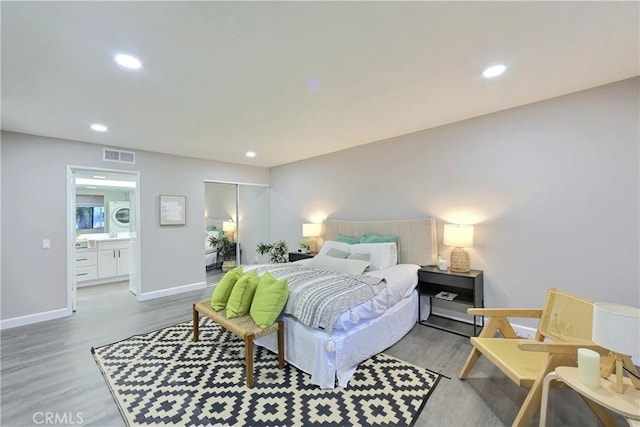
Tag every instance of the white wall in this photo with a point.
(553, 188)
(33, 179)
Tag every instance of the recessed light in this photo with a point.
(250, 154)
(99, 127)
(91, 187)
(99, 177)
(494, 71)
(128, 61)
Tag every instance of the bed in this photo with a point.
(331, 353)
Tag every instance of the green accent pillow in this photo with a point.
(337, 253)
(372, 238)
(223, 290)
(269, 300)
(211, 228)
(359, 256)
(242, 295)
(347, 239)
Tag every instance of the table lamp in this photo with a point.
(229, 228)
(460, 237)
(312, 231)
(616, 327)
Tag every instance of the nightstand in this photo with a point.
(297, 256)
(469, 290)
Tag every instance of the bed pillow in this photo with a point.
(223, 289)
(383, 255)
(360, 256)
(337, 253)
(338, 265)
(373, 238)
(242, 295)
(269, 300)
(347, 239)
(331, 244)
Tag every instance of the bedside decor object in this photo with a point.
(226, 248)
(442, 264)
(589, 367)
(229, 228)
(304, 246)
(459, 236)
(616, 327)
(277, 251)
(311, 232)
(173, 210)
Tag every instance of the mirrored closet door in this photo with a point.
(240, 212)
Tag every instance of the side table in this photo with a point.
(626, 404)
(297, 256)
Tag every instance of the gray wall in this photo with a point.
(34, 280)
(220, 200)
(553, 188)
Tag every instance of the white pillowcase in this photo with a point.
(338, 265)
(333, 244)
(383, 255)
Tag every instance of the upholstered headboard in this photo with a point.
(417, 238)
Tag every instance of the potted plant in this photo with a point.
(226, 248)
(304, 246)
(277, 251)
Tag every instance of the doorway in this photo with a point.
(103, 229)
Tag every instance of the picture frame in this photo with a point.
(173, 210)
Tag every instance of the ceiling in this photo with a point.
(294, 80)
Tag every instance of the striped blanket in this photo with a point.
(317, 298)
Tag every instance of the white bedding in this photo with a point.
(401, 281)
(306, 348)
(357, 334)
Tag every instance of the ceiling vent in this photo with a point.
(109, 155)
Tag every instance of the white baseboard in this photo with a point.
(521, 331)
(146, 296)
(34, 318)
(524, 331)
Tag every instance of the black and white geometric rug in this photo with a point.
(164, 378)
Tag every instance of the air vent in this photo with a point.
(109, 155)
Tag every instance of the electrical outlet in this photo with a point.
(46, 243)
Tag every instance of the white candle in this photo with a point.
(589, 367)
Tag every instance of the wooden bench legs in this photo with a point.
(248, 337)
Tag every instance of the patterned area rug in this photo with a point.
(164, 378)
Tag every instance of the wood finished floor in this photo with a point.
(48, 367)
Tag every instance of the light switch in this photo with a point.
(46, 243)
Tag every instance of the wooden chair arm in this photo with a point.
(506, 312)
(559, 347)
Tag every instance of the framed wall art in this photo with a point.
(173, 210)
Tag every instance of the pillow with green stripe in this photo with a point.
(337, 253)
(223, 289)
(242, 295)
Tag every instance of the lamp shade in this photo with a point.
(616, 327)
(311, 230)
(228, 226)
(457, 235)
